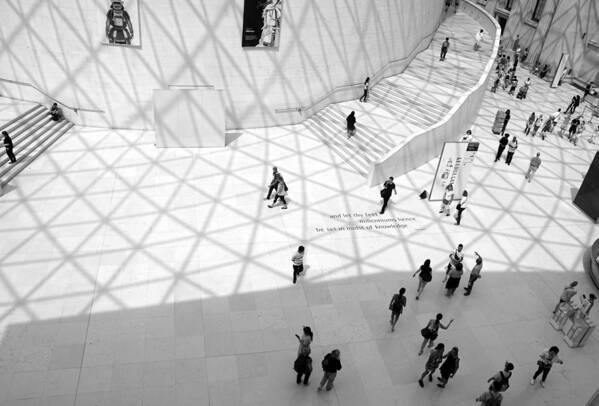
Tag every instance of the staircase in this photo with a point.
(418, 98)
(32, 132)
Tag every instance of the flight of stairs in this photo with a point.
(418, 98)
(32, 133)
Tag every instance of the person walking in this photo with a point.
(512, 147)
(303, 367)
(388, 189)
(461, 206)
(537, 125)
(455, 258)
(273, 183)
(570, 108)
(351, 124)
(453, 279)
(280, 194)
(503, 141)
(304, 341)
(474, 274)
(449, 367)
(446, 201)
(501, 380)
(478, 39)
(573, 128)
(492, 397)
(516, 44)
(547, 127)
(298, 262)
(364, 97)
(425, 275)
(433, 362)
(524, 56)
(8, 146)
(588, 90)
(330, 365)
(587, 303)
(513, 85)
(546, 360)
(529, 123)
(398, 302)
(431, 331)
(506, 120)
(535, 163)
(444, 48)
(567, 294)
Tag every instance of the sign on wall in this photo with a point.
(453, 168)
(261, 23)
(122, 23)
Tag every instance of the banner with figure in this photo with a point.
(261, 23)
(453, 168)
(121, 24)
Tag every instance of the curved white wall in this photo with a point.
(55, 44)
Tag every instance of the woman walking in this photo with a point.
(511, 149)
(453, 280)
(547, 127)
(351, 124)
(461, 207)
(546, 360)
(537, 125)
(506, 120)
(364, 97)
(501, 380)
(280, 195)
(447, 199)
(449, 367)
(398, 302)
(431, 331)
(530, 123)
(425, 275)
(433, 362)
(304, 341)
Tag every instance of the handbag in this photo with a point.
(425, 332)
(445, 201)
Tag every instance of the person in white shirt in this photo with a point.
(298, 262)
(467, 137)
(461, 207)
(447, 199)
(479, 40)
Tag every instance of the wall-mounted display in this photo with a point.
(261, 23)
(122, 23)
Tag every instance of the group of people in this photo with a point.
(512, 145)
(448, 197)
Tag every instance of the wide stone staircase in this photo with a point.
(32, 132)
(419, 97)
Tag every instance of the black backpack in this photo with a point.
(325, 361)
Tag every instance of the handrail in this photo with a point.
(75, 109)
(189, 86)
(374, 79)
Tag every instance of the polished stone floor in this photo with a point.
(136, 276)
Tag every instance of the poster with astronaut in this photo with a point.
(261, 23)
(122, 23)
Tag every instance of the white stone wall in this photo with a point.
(56, 45)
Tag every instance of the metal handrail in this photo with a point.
(75, 109)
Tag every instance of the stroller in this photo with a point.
(522, 92)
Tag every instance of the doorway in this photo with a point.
(502, 21)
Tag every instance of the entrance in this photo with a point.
(501, 20)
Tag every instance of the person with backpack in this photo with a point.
(388, 188)
(398, 302)
(431, 331)
(492, 397)
(546, 360)
(330, 365)
(425, 275)
(501, 380)
(280, 194)
(433, 362)
(350, 123)
(449, 367)
(303, 367)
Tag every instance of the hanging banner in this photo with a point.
(261, 23)
(561, 71)
(453, 168)
(122, 23)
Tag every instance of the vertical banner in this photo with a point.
(121, 23)
(561, 70)
(261, 23)
(453, 168)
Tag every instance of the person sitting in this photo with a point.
(56, 113)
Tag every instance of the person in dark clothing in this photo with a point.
(544, 71)
(444, 48)
(449, 367)
(330, 365)
(388, 188)
(398, 302)
(573, 127)
(506, 120)
(364, 97)
(303, 367)
(351, 124)
(570, 108)
(273, 183)
(425, 275)
(524, 55)
(9, 147)
(56, 113)
(503, 141)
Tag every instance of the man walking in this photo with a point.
(330, 365)
(444, 48)
(535, 163)
(388, 188)
(512, 147)
(273, 183)
(8, 146)
(503, 141)
(298, 262)
(474, 274)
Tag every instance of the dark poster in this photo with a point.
(261, 23)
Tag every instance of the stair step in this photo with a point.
(9, 126)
